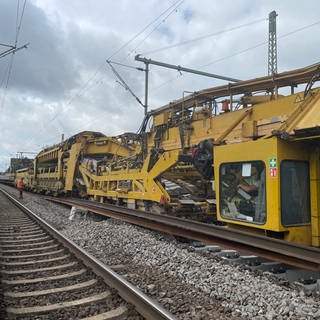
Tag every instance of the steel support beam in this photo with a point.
(272, 45)
(179, 68)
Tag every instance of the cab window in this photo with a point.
(295, 192)
(243, 191)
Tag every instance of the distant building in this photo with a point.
(19, 163)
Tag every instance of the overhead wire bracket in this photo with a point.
(123, 83)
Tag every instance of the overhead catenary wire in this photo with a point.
(133, 50)
(156, 27)
(175, 5)
(13, 50)
(124, 84)
(18, 28)
(79, 93)
(229, 56)
(202, 37)
(125, 65)
(4, 78)
(17, 22)
(9, 70)
(240, 52)
(262, 43)
(84, 87)
(93, 76)
(20, 22)
(86, 84)
(6, 45)
(140, 32)
(7, 80)
(121, 82)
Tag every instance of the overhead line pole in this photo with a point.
(147, 62)
(272, 44)
(146, 89)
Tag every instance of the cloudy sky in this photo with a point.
(61, 83)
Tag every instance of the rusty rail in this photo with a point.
(286, 252)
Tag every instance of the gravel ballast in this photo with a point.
(190, 284)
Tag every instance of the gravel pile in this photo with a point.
(190, 284)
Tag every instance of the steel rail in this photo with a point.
(300, 256)
(147, 307)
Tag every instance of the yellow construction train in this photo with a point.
(246, 154)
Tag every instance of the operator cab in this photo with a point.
(265, 185)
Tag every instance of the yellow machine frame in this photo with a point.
(131, 169)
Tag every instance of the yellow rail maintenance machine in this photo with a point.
(245, 154)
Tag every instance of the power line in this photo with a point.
(205, 65)
(125, 65)
(13, 49)
(17, 23)
(7, 81)
(203, 37)
(82, 89)
(299, 29)
(58, 113)
(262, 43)
(156, 27)
(20, 22)
(241, 51)
(86, 84)
(235, 54)
(140, 32)
(79, 92)
(124, 84)
(6, 45)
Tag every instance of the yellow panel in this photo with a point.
(260, 150)
(315, 196)
(264, 150)
(249, 129)
(307, 115)
(72, 163)
(300, 235)
(267, 117)
(105, 146)
(160, 119)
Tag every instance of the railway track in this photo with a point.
(269, 248)
(46, 276)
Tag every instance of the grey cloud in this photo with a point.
(48, 95)
(45, 68)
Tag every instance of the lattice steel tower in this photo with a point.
(272, 48)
